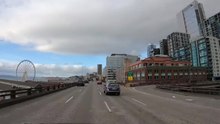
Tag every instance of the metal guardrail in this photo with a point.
(16, 93)
(213, 91)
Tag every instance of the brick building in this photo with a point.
(162, 69)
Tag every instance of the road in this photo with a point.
(140, 105)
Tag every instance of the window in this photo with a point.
(156, 77)
(163, 77)
(143, 75)
(169, 77)
(202, 53)
(138, 76)
(202, 46)
(203, 60)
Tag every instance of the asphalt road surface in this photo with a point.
(140, 105)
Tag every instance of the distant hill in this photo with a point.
(9, 77)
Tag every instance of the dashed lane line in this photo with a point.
(190, 100)
(138, 101)
(106, 104)
(69, 99)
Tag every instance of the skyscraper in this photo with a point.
(99, 69)
(205, 52)
(212, 26)
(163, 47)
(150, 48)
(190, 19)
(178, 46)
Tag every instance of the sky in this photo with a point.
(70, 37)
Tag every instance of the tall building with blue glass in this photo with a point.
(205, 52)
(150, 48)
(191, 18)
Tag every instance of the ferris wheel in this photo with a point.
(25, 71)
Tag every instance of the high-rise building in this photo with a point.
(163, 47)
(99, 69)
(150, 48)
(205, 52)
(212, 26)
(155, 51)
(117, 61)
(178, 46)
(190, 19)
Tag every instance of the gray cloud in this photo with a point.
(92, 26)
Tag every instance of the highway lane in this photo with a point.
(135, 105)
(42, 109)
(200, 99)
(176, 110)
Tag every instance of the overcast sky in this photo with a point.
(88, 27)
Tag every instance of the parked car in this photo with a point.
(112, 88)
(99, 82)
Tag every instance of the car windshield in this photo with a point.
(109, 61)
(113, 85)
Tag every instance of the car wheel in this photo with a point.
(118, 94)
(106, 93)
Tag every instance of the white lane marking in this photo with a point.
(69, 99)
(100, 93)
(107, 106)
(174, 97)
(138, 101)
(141, 92)
(190, 100)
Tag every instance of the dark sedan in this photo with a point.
(112, 88)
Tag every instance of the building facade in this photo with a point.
(164, 47)
(150, 48)
(212, 26)
(155, 51)
(178, 46)
(163, 70)
(205, 52)
(190, 19)
(120, 72)
(99, 69)
(116, 62)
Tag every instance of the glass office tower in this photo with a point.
(205, 52)
(190, 19)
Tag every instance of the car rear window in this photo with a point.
(113, 85)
